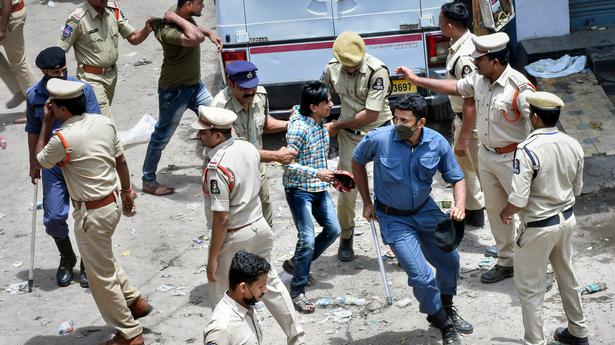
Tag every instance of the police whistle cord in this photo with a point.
(33, 237)
(387, 289)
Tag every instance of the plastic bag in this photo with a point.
(549, 68)
(140, 133)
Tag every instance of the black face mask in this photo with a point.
(405, 132)
(250, 301)
(46, 77)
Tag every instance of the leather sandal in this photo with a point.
(303, 305)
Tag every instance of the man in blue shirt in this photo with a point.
(52, 62)
(406, 157)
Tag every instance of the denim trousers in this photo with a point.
(172, 104)
(303, 205)
(412, 240)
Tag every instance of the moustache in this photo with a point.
(249, 95)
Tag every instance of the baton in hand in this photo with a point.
(33, 238)
(383, 273)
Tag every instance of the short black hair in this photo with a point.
(75, 106)
(181, 3)
(313, 92)
(413, 102)
(503, 56)
(246, 268)
(548, 116)
(226, 132)
(456, 12)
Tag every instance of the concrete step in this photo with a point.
(601, 60)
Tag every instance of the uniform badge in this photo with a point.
(465, 71)
(516, 166)
(213, 187)
(93, 31)
(68, 30)
(378, 84)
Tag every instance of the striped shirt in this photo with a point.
(311, 141)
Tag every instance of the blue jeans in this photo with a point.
(55, 202)
(302, 206)
(412, 240)
(172, 104)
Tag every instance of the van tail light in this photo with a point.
(234, 55)
(437, 49)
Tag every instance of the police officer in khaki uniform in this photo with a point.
(362, 82)
(90, 154)
(234, 320)
(500, 94)
(547, 175)
(93, 29)
(249, 101)
(454, 18)
(14, 68)
(231, 182)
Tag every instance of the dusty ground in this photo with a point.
(156, 246)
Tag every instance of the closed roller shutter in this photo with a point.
(585, 13)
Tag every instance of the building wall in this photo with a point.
(537, 18)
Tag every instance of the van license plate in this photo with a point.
(402, 86)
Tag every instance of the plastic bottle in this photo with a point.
(324, 302)
(593, 288)
(350, 300)
(66, 327)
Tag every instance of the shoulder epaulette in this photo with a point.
(77, 14)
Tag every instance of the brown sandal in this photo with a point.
(303, 305)
(158, 189)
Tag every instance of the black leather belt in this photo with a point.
(553, 220)
(392, 211)
(460, 116)
(355, 132)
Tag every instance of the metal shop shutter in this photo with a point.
(585, 13)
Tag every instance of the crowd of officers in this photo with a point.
(508, 158)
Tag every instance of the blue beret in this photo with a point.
(51, 58)
(243, 73)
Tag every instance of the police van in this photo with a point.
(290, 42)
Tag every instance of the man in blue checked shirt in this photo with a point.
(406, 157)
(52, 62)
(306, 182)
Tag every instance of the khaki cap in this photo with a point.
(545, 100)
(64, 89)
(214, 117)
(349, 49)
(489, 44)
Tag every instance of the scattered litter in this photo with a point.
(179, 291)
(3, 143)
(51, 3)
(323, 320)
(549, 68)
(142, 61)
(197, 240)
(126, 253)
(593, 288)
(404, 302)
(141, 132)
(446, 203)
(17, 264)
(18, 288)
(590, 248)
(486, 261)
(165, 288)
(165, 275)
(66, 327)
(350, 300)
(324, 302)
(342, 315)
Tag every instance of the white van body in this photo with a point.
(290, 40)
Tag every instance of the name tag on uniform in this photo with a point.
(93, 31)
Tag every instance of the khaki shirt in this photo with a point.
(93, 146)
(547, 174)
(238, 163)
(459, 64)
(496, 121)
(13, 3)
(249, 125)
(95, 36)
(367, 88)
(233, 324)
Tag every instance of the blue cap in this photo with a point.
(243, 73)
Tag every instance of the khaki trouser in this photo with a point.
(469, 165)
(346, 201)
(534, 248)
(14, 68)
(104, 87)
(263, 194)
(257, 238)
(496, 178)
(109, 285)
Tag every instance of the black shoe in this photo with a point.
(68, 260)
(491, 251)
(461, 325)
(289, 267)
(475, 217)
(496, 274)
(563, 336)
(345, 252)
(83, 277)
(450, 336)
